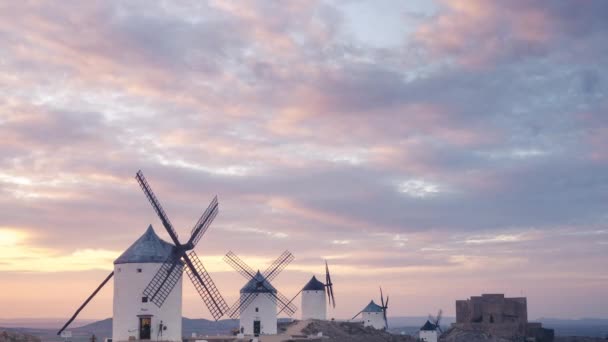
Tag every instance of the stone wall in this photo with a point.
(496, 315)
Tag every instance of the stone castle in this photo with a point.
(499, 316)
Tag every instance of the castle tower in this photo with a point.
(260, 316)
(134, 316)
(313, 300)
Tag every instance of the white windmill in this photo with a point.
(431, 330)
(374, 315)
(257, 304)
(148, 280)
(314, 297)
(133, 314)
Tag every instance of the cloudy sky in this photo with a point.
(441, 150)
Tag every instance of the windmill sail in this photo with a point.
(143, 183)
(206, 287)
(170, 272)
(329, 287)
(384, 308)
(261, 281)
(204, 222)
(165, 279)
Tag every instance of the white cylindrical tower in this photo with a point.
(135, 317)
(373, 316)
(260, 316)
(313, 300)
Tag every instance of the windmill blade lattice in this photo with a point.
(290, 301)
(170, 272)
(235, 309)
(165, 279)
(205, 287)
(277, 266)
(289, 308)
(143, 183)
(204, 222)
(248, 273)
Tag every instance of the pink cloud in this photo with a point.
(480, 33)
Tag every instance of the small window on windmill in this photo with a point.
(144, 299)
(139, 270)
(257, 309)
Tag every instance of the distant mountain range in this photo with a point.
(47, 329)
(594, 327)
(201, 326)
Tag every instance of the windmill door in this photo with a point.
(256, 328)
(144, 328)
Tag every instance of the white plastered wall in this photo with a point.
(266, 313)
(313, 305)
(428, 335)
(373, 319)
(129, 285)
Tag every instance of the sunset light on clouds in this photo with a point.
(438, 149)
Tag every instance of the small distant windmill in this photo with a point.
(313, 297)
(374, 315)
(429, 331)
(257, 304)
(146, 255)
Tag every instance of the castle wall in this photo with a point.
(496, 315)
(464, 311)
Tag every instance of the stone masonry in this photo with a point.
(499, 316)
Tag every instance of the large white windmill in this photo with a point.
(148, 280)
(257, 304)
(374, 315)
(133, 313)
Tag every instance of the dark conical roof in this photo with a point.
(428, 326)
(314, 285)
(372, 307)
(149, 248)
(258, 284)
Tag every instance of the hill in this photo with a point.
(350, 332)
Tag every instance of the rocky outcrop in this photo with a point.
(11, 336)
(351, 332)
(460, 335)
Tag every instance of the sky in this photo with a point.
(437, 149)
